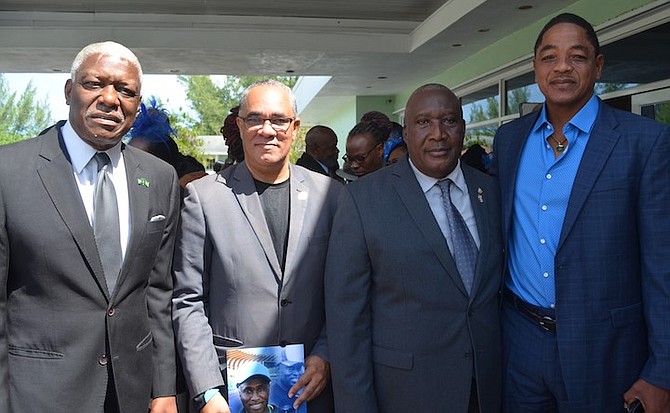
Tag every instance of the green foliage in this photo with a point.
(298, 146)
(21, 117)
(212, 102)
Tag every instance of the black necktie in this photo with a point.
(106, 222)
(465, 249)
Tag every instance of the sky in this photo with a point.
(49, 86)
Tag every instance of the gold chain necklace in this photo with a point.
(560, 147)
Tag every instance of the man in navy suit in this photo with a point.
(585, 194)
(405, 316)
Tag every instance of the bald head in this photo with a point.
(321, 144)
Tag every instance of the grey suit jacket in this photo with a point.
(229, 288)
(403, 334)
(57, 319)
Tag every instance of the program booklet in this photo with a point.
(259, 378)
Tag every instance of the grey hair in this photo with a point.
(105, 49)
(268, 82)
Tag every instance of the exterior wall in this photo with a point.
(343, 118)
(520, 44)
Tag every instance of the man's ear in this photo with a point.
(68, 91)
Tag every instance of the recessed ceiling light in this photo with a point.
(56, 70)
(368, 87)
(456, 45)
(525, 7)
(381, 77)
(290, 71)
(483, 30)
(175, 70)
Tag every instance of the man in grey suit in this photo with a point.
(250, 256)
(413, 326)
(78, 334)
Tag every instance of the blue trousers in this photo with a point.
(532, 378)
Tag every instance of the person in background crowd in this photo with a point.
(365, 148)
(231, 136)
(321, 152)
(152, 132)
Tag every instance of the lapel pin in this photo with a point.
(480, 195)
(143, 181)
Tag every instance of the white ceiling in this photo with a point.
(372, 47)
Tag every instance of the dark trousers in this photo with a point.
(533, 382)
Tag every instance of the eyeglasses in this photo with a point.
(278, 124)
(359, 159)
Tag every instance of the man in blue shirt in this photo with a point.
(586, 320)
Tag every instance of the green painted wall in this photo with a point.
(384, 104)
(343, 118)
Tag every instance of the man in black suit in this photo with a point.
(85, 322)
(321, 152)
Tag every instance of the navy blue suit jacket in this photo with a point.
(612, 265)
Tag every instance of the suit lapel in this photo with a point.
(414, 199)
(601, 143)
(478, 200)
(245, 191)
(138, 197)
(299, 198)
(58, 179)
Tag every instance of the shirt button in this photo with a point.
(111, 311)
(102, 360)
(545, 275)
(544, 207)
(548, 176)
(543, 241)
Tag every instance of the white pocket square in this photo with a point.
(157, 218)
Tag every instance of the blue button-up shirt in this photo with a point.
(543, 187)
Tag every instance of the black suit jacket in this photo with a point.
(307, 161)
(59, 326)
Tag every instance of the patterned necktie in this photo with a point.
(465, 249)
(106, 223)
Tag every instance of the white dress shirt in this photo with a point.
(459, 197)
(86, 173)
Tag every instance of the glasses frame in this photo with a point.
(360, 158)
(277, 128)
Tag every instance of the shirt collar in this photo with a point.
(81, 152)
(427, 182)
(583, 120)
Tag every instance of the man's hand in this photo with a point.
(167, 404)
(217, 404)
(654, 399)
(314, 380)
